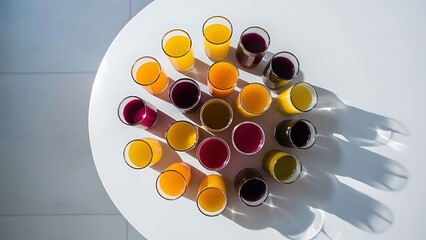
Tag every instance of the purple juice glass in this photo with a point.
(185, 94)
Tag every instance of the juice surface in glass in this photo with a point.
(253, 100)
(150, 76)
(179, 51)
(135, 111)
(213, 153)
(216, 115)
(144, 152)
(280, 165)
(248, 137)
(296, 99)
(182, 136)
(211, 197)
(222, 78)
(217, 39)
(173, 182)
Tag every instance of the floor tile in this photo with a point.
(58, 36)
(133, 234)
(138, 5)
(46, 164)
(63, 228)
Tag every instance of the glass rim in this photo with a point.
(159, 71)
(224, 103)
(218, 212)
(217, 16)
(247, 51)
(225, 163)
(265, 109)
(310, 124)
(275, 163)
(196, 136)
(128, 145)
(182, 80)
(168, 171)
(144, 106)
(248, 122)
(249, 179)
(176, 30)
(310, 86)
(298, 66)
(211, 66)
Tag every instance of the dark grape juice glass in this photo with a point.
(213, 153)
(251, 188)
(296, 133)
(248, 138)
(254, 42)
(281, 69)
(185, 94)
(135, 111)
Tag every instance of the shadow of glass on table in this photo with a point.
(295, 209)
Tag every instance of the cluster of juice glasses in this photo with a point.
(216, 115)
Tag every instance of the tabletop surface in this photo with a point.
(363, 178)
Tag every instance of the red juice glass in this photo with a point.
(254, 42)
(248, 138)
(134, 111)
(213, 153)
(185, 94)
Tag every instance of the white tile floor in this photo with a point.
(49, 53)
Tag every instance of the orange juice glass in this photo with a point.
(182, 136)
(222, 78)
(172, 183)
(211, 197)
(177, 45)
(217, 32)
(253, 100)
(141, 153)
(147, 72)
(301, 97)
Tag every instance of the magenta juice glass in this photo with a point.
(213, 153)
(254, 42)
(185, 94)
(248, 138)
(135, 111)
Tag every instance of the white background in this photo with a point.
(364, 176)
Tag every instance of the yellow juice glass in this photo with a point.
(211, 197)
(173, 182)
(253, 100)
(141, 153)
(182, 136)
(177, 45)
(301, 97)
(222, 78)
(147, 72)
(282, 166)
(217, 32)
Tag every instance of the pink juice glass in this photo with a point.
(248, 138)
(213, 153)
(135, 111)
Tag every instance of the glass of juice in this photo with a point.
(211, 197)
(216, 115)
(222, 79)
(182, 136)
(134, 111)
(147, 72)
(185, 94)
(301, 97)
(172, 183)
(253, 100)
(251, 188)
(281, 69)
(254, 42)
(282, 166)
(296, 133)
(248, 138)
(177, 45)
(217, 32)
(213, 153)
(141, 153)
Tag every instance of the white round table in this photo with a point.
(362, 180)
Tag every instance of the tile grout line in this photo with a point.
(127, 230)
(60, 214)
